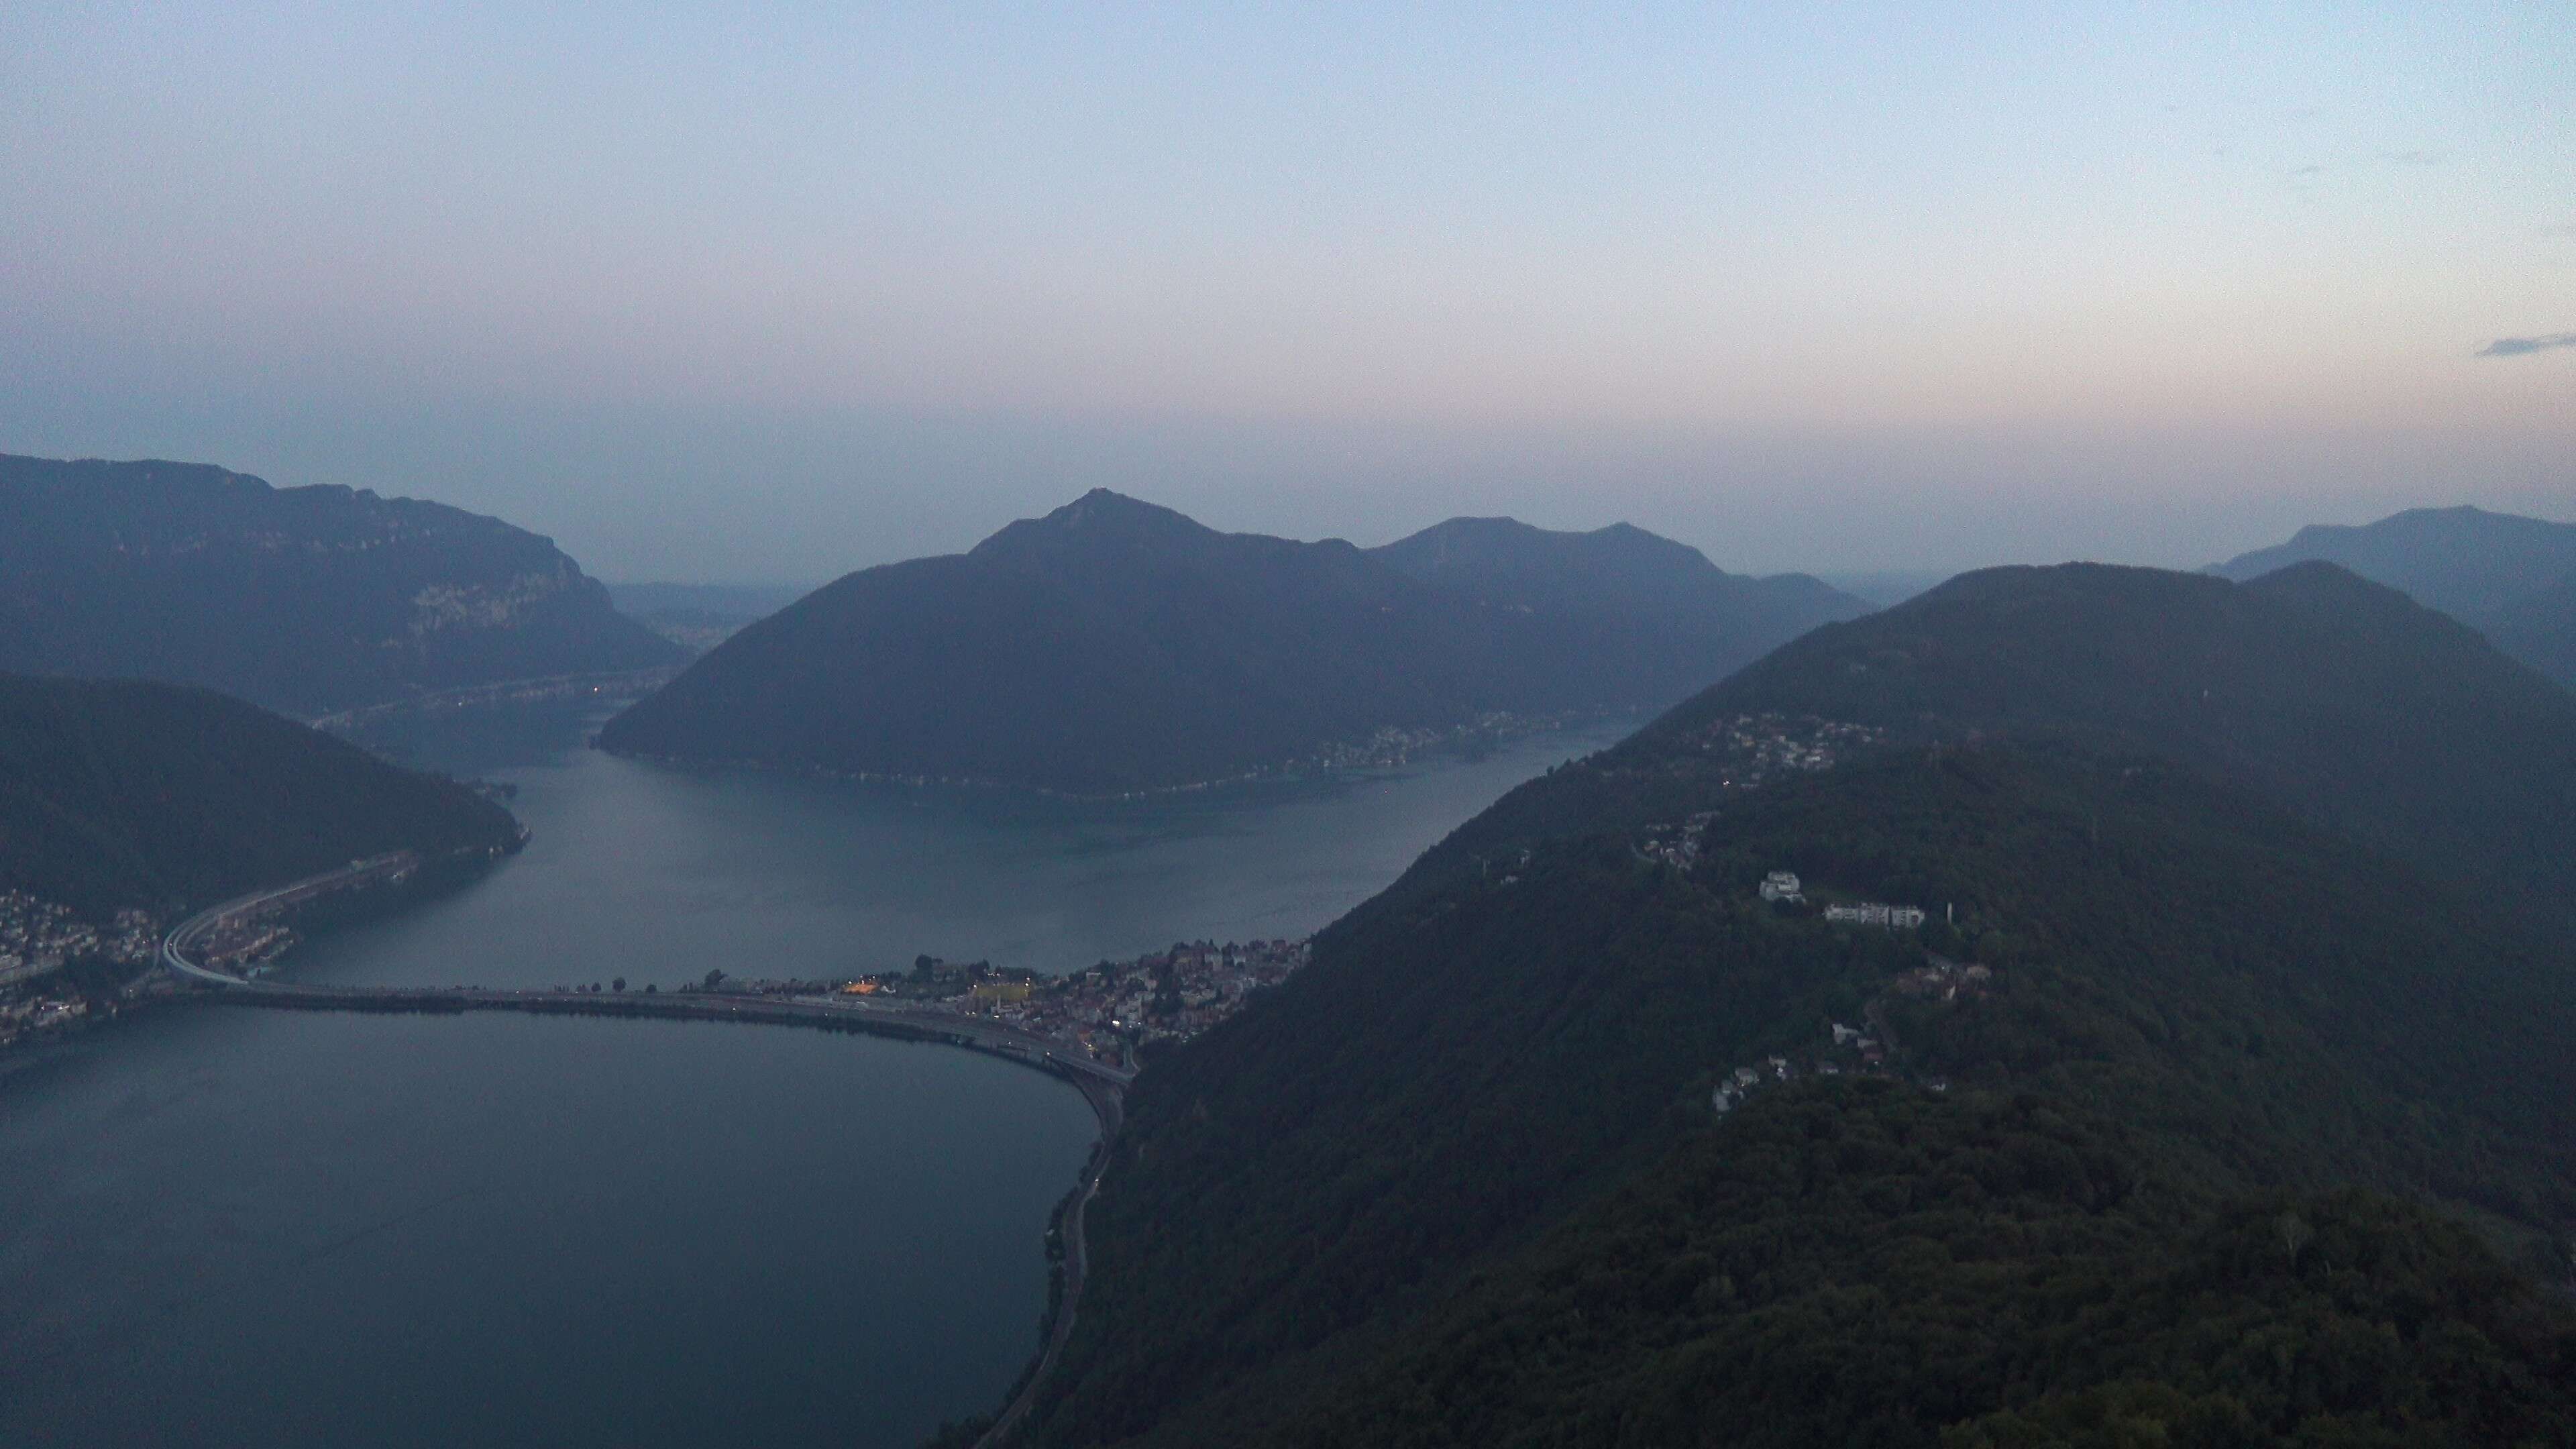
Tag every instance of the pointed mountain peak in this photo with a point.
(1099, 519)
(1103, 506)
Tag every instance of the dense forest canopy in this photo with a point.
(116, 794)
(2229, 1072)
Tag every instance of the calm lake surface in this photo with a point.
(241, 1227)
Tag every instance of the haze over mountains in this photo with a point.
(698, 617)
(2236, 1070)
(2511, 578)
(1113, 645)
(304, 600)
(2220, 1097)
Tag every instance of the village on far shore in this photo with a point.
(1108, 1012)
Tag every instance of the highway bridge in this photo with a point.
(179, 947)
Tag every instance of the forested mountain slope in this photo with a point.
(1114, 645)
(2512, 578)
(2198, 1006)
(303, 600)
(124, 793)
(2234, 1069)
(1859, 1262)
(2338, 697)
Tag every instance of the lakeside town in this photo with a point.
(1109, 1013)
(39, 940)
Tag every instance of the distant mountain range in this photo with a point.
(1572, 1137)
(304, 600)
(1114, 645)
(168, 798)
(2511, 578)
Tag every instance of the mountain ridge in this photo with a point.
(2341, 698)
(1114, 645)
(1460, 1181)
(1441, 1117)
(2511, 577)
(305, 600)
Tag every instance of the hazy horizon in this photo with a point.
(707, 299)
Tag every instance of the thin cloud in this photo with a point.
(2412, 158)
(2524, 346)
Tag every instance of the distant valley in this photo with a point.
(1115, 646)
(698, 617)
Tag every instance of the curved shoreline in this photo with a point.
(1102, 1087)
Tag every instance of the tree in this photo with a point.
(617, 985)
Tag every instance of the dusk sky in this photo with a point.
(736, 295)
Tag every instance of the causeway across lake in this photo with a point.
(268, 1228)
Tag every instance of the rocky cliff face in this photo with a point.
(305, 600)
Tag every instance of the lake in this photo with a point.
(237, 1227)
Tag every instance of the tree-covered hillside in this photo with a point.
(2219, 1002)
(116, 794)
(2336, 696)
(2246, 872)
(1861, 1262)
(304, 600)
(1115, 646)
